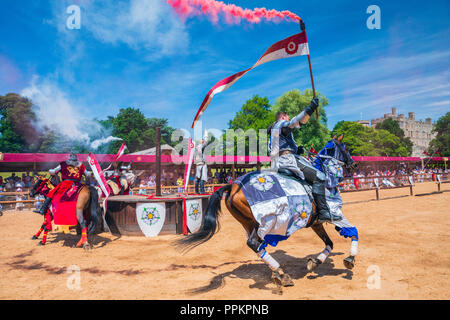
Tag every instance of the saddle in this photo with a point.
(288, 173)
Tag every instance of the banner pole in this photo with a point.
(302, 27)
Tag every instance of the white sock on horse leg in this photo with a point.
(354, 248)
(267, 258)
(324, 254)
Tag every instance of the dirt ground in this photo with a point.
(403, 254)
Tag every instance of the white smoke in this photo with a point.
(97, 143)
(57, 113)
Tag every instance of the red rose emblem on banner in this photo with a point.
(291, 48)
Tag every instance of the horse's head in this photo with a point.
(40, 186)
(336, 149)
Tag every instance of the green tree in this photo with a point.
(138, 132)
(365, 141)
(393, 127)
(442, 139)
(315, 131)
(255, 114)
(165, 129)
(17, 133)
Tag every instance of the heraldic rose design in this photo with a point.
(194, 211)
(150, 216)
(262, 182)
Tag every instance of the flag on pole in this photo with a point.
(187, 168)
(292, 46)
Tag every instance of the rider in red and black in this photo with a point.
(71, 173)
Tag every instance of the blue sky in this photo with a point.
(140, 53)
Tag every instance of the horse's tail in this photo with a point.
(210, 223)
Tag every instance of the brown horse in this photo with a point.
(238, 206)
(87, 208)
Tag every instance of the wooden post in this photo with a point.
(158, 162)
(377, 193)
(258, 166)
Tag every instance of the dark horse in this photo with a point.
(329, 160)
(87, 201)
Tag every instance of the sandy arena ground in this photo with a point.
(403, 240)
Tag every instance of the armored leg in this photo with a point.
(317, 179)
(202, 187)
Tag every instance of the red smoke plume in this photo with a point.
(232, 13)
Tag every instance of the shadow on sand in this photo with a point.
(260, 273)
(71, 239)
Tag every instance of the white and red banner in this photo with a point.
(296, 45)
(100, 178)
(187, 168)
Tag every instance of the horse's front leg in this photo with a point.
(44, 237)
(352, 233)
(36, 236)
(312, 263)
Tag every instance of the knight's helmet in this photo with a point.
(73, 160)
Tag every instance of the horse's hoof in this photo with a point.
(41, 244)
(286, 281)
(312, 264)
(86, 246)
(34, 237)
(276, 277)
(349, 262)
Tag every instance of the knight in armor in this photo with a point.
(201, 169)
(71, 174)
(286, 156)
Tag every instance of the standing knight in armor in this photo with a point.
(285, 155)
(201, 169)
